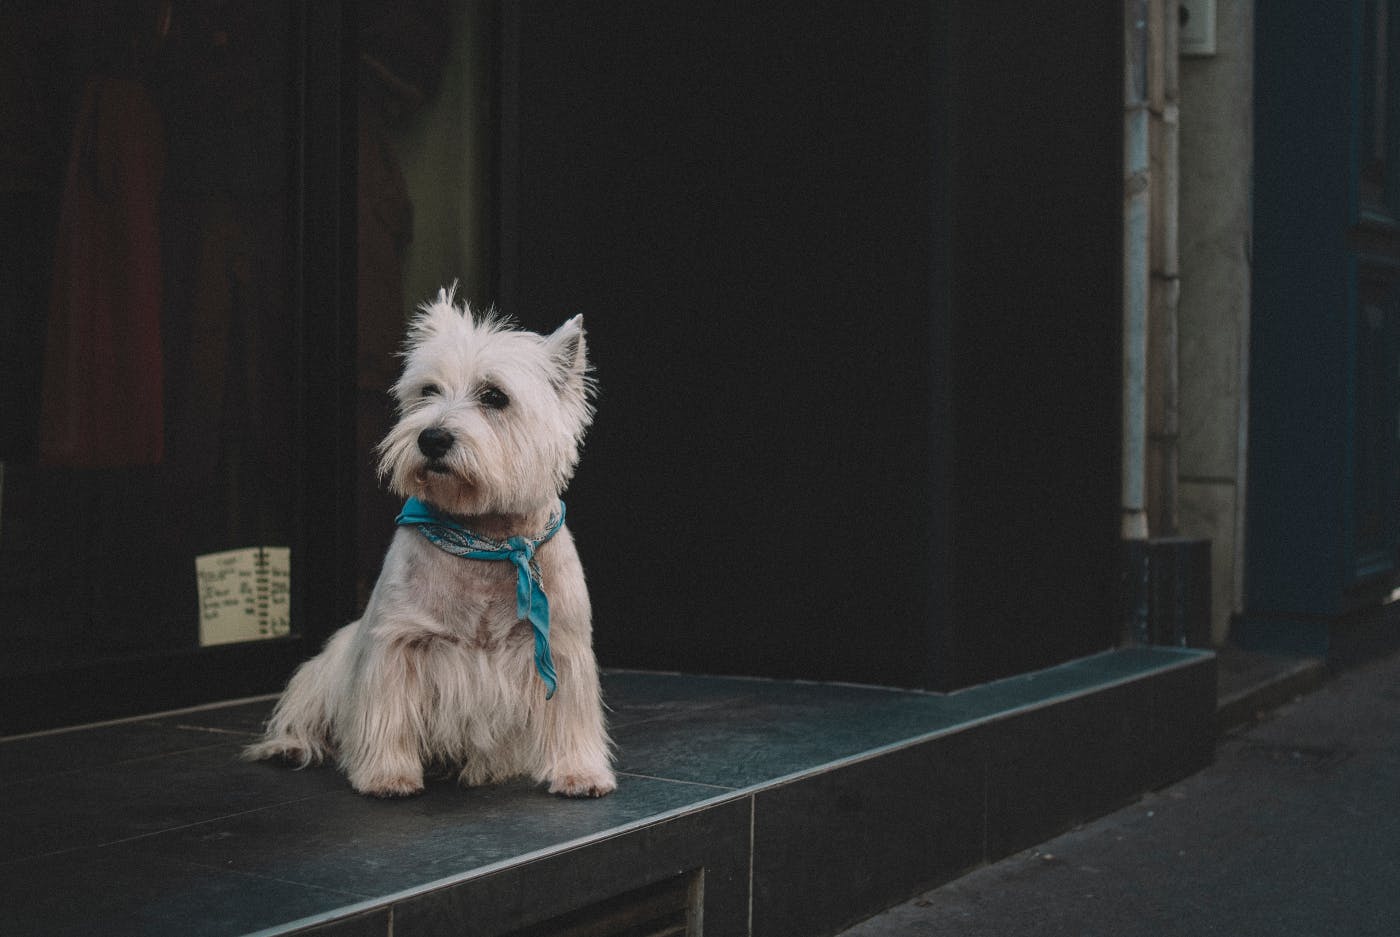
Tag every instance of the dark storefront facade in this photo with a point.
(175, 315)
(855, 421)
(849, 510)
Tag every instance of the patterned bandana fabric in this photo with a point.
(531, 603)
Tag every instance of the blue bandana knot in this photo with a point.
(531, 602)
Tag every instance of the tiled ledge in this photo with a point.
(807, 806)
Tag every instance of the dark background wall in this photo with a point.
(852, 286)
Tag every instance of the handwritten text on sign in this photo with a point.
(244, 595)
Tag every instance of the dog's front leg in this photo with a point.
(381, 736)
(578, 753)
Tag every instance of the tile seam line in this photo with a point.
(753, 827)
(107, 844)
(142, 717)
(1184, 660)
(653, 777)
(135, 760)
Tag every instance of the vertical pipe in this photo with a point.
(1163, 423)
(1136, 268)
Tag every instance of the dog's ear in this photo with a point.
(569, 354)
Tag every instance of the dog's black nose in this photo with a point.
(434, 442)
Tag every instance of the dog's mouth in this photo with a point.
(429, 473)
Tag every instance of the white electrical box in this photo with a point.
(1197, 36)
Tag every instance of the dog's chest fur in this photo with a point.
(463, 601)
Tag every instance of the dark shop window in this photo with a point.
(172, 189)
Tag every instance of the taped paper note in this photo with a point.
(244, 595)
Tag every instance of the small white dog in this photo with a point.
(475, 649)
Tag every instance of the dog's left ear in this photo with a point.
(568, 352)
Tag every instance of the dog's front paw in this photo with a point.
(388, 785)
(583, 783)
(393, 787)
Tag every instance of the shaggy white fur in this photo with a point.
(440, 670)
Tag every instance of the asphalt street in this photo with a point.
(1294, 830)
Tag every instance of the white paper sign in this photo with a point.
(244, 595)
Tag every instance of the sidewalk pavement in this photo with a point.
(1295, 830)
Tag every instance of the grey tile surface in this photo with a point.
(44, 756)
(370, 848)
(155, 826)
(116, 893)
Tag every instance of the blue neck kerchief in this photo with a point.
(531, 603)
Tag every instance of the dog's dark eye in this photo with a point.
(430, 390)
(493, 398)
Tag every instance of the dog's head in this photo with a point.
(490, 417)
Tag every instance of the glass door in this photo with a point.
(172, 180)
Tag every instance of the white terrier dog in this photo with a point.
(462, 659)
